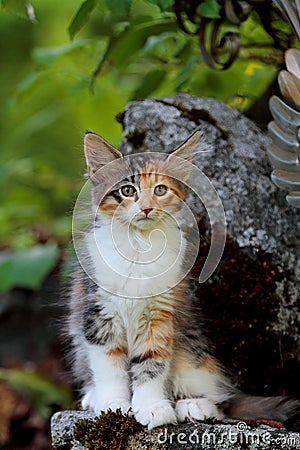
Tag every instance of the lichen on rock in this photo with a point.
(231, 435)
(109, 431)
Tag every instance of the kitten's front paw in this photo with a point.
(196, 409)
(97, 403)
(155, 414)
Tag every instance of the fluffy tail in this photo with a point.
(247, 407)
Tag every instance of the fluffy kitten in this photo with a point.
(134, 324)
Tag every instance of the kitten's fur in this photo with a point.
(148, 354)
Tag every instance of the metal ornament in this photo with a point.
(220, 48)
(284, 152)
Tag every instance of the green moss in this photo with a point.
(109, 431)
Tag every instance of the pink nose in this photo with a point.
(146, 211)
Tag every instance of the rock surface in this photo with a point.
(252, 300)
(227, 436)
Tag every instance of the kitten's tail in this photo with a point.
(248, 407)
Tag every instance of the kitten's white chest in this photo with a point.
(130, 264)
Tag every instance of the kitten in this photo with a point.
(134, 324)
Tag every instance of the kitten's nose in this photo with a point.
(146, 211)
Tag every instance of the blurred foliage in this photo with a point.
(71, 66)
(41, 390)
(27, 268)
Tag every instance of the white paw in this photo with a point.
(97, 402)
(155, 414)
(196, 409)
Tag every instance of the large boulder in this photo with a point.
(252, 300)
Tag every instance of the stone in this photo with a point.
(226, 436)
(62, 427)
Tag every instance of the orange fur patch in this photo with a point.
(108, 206)
(117, 352)
(209, 364)
(183, 361)
(117, 356)
(162, 318)
(159, 353)
(159, 342)
(178, 193)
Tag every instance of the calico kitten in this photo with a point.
(135, 329)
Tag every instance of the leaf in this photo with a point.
(164, 5)
(47, 55)
(42, 390)
(149, 83)
(27, 82)
(81, 17)
(119, 7)
(21, 8)
(185, 74)
(30, 11)
(134, 38)
(27, 268)
(210, 9)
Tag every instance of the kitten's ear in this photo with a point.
(98, 152)
(187, 149)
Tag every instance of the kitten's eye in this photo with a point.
(160, 190)
(128, 190)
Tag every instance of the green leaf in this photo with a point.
(43, 392)
(27, 83)
(81, 17)
(27, 268)
(134, 38)
(21, 8)
(149, 83)
(209, 9)
(164, 5)
(185, 74)
(119, 7)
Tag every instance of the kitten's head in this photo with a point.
(146, 195)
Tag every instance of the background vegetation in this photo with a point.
(70, 66)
